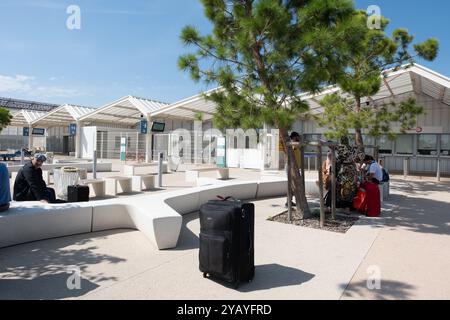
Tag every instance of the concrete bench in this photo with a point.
(130, 169)
(142, 182)
(194, 174)
(34, 221)
(101, 166)
(116, 185)
(158, 216)
(96, 186)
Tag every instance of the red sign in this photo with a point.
(419, 129)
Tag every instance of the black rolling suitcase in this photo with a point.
(226, 241)
(77, 194)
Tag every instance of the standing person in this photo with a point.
(29, 184)
(5, 194)
(295, 137)
(326, 170)
(373, 179)
(347, 174)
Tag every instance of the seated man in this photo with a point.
(5, 194)
(29, 184)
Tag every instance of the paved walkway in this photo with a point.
(408, 245)
(412, 250)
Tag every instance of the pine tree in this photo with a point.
(375, 55)
(5, 118)
(263, 54)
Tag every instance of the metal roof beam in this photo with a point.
(388, 87)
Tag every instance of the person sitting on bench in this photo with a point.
(5, 194)
(29, 184)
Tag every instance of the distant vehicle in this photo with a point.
(12, 156)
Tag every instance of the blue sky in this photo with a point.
(131, 47)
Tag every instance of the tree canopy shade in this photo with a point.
(263, 54)
(372, 56)
(5, 118)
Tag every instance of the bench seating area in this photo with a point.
(96, 187)
(193, 175)
(116, 185)
(130, 169)
(158, 216)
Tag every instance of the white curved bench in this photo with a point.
(158, 216)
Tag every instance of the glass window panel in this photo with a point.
(385, 144)
(445, 144)
(404, 144)
(427, 145)
(311, 138)
(368, 141)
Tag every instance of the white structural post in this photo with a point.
(160, 169)
(78, 141)
(439, 169)
(263, 148)
(148, 142)
(198, 142)
(30, 138)
(405, 168)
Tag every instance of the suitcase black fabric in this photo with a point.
(77, 194)
(227, 241)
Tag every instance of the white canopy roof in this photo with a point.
(189, 108)
(24, 118)
(414, 79)
(63, 115)
(128, 110)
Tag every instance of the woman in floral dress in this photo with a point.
(347, 173)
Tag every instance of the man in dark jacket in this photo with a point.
(29, 184)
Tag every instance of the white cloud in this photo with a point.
(27, 86)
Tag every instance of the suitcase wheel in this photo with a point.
(205, 275)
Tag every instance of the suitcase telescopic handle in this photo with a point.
(226, 199)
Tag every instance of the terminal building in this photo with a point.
(184, 129)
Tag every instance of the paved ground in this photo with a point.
(411, 251)
(291, 263)
(408, 246)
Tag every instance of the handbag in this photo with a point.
(360, 201)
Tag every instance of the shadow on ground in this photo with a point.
(390, 290)
(413, 211)
(271, 276)
(39, 270)
(46, 287)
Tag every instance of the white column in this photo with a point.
(198, 142)
(78, 141)
(263, 148)
(148, 143)
(30, 138)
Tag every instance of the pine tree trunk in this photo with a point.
(358, 131)
(297, 178)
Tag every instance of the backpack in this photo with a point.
(386, 177)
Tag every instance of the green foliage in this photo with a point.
(5, 118)
(373, 54)
(265, 53)
(339, 117)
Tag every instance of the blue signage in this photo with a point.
(26, 132)
(73, 129)
(144, 126)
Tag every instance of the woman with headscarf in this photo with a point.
(347, 173)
